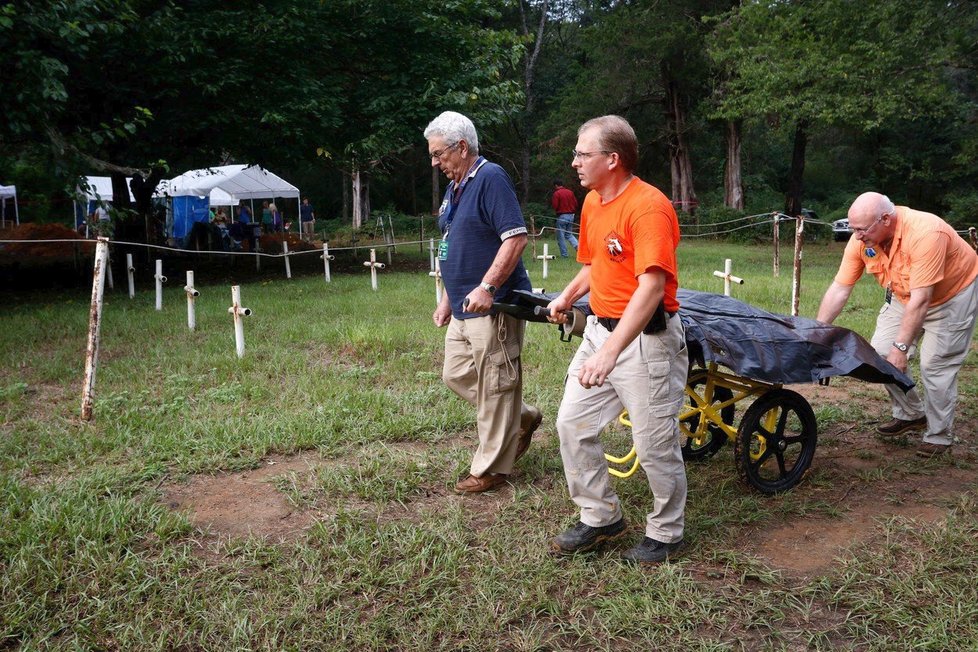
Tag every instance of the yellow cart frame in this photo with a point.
(774, 444)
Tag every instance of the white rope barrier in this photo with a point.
(686, 230)
(733, 221)
(716, 233)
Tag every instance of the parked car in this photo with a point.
(815, 228)
(840, 230)
(809, 214)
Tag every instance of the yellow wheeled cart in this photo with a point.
(775, 441)
(774, 444)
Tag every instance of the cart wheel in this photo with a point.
(776, 441)
(714, 438)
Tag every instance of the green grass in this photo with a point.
(92, 559)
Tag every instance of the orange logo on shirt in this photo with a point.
(615, 251)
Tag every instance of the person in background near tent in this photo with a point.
(307, 218)
(100, 214)
(248, 230)
(266, 217)
(483, 237)
(221, 223)
(101, 221)
(276, 218)
(564, 204)
(211, 214)
(929, 273)
(634, 351)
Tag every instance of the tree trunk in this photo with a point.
(361, 198)
(124, 227)
(365, 197)
(680, 165)
(413, 187)
(529, 74)
(142, 192)
(355, 191)
(346, 196)
(733, 183)
(792, 204)
(120, 192)
(525, 163)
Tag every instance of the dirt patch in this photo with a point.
(858, 482)
(810, 545)
(245, 503)
(869, 481)
(32, 232)
(251, 503)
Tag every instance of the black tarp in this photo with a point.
(757, 344)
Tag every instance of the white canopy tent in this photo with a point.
(234, 182)
(99, 188)
(225, 185)
(7, 192)
(221, 198)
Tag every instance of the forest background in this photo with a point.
(740, 107)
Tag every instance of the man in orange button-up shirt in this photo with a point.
(929, 273)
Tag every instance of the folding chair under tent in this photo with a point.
(9, 192)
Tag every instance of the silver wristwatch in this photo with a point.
(491, 289)
(900, 346)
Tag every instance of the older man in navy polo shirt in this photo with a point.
(483, 237)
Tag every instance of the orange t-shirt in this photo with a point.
(635, 232)
(925, 251)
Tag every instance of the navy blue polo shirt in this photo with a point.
(486, 213)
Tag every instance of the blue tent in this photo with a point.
(188, 209)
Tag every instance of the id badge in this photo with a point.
(443, 250)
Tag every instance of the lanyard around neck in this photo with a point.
(454, 194)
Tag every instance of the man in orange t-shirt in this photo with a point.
(929, 273)
(634, 351)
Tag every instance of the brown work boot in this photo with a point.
(928, 450)
(476, 485)
(529, 422)
(896, 427)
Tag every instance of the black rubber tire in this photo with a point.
(717, 437)
(776, 460)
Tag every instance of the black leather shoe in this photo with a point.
(582, 538)
(650, 551)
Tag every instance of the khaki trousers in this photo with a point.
(943, 346)
(648, 381)
(482, 366)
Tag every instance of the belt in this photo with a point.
(611, 324)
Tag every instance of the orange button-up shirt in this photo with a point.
(925, 251)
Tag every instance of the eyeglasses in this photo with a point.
(869, 228)
(441, 152)
(587, 155)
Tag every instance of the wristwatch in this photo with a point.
(491, 289)
(900, 346)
